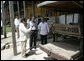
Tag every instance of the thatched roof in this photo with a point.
(61, 5)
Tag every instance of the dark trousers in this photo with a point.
(43, 39)
(33, 38)
(53, 37)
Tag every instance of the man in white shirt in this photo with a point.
(17, 22)
(44, 30)
(33, 33)
(23, 31)
(28, 22)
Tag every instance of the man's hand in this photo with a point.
(32, 26)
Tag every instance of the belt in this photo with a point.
(33, 30)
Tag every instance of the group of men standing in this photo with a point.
(30, 31)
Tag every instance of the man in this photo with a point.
(44, 30)
(17, 22)
(28, 22)
(23, 35)
(38, 19)
(33, 33)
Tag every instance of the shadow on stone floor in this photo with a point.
(49, 58)
(18, 53)
(31, 52)
(6, 37)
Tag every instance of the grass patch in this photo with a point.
(8, 28)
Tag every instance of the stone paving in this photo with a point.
(7, 54)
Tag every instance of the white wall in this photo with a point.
(62, 19)
(76, 17)
(69, 18)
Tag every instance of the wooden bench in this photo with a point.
(67, 30)
(61, 51)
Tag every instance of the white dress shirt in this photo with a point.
(43, 28)
(17, 21)
(28, 23)
(23, 32)
(33, 24)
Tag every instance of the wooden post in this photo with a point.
(73, 18)
(18, 8)
(56, 21)
(6, 13)
(3, 19)
(33, 8)
(24, 8)
(11, 10)
(27, 11)
(66, 18)
(41, 11)
(47, 12)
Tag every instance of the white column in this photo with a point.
(3, 19)
(24, 8)
(18, 8)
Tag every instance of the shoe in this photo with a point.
(34, 47)
(30, 48)
(24, 56)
